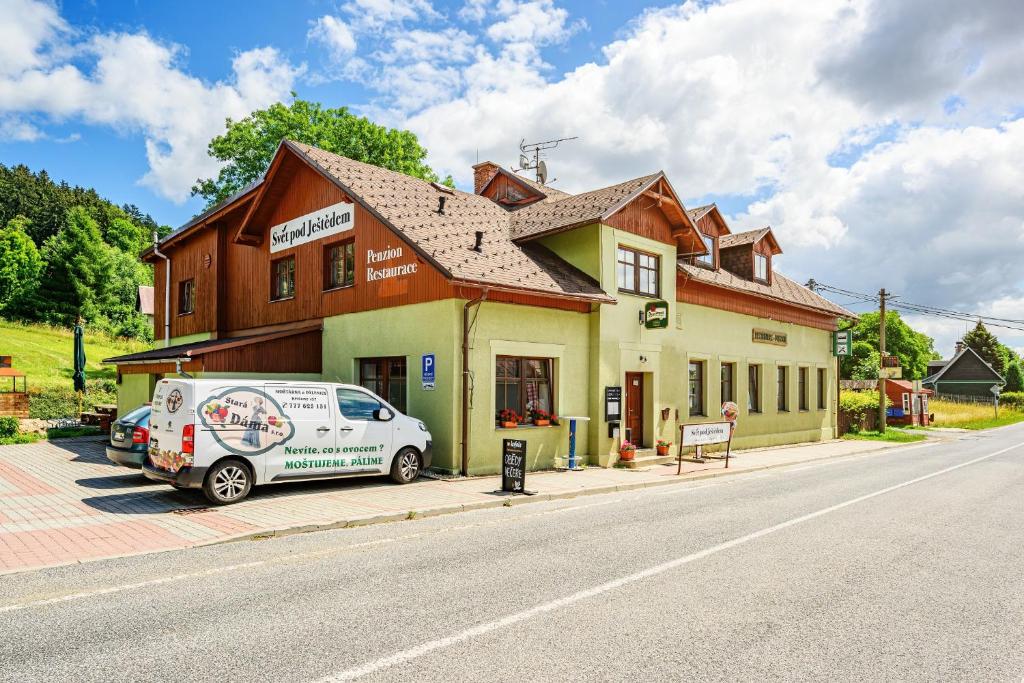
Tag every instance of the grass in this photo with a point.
(971, 415)
(891, 435)
(44, 353)
(55, 433)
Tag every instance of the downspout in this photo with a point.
(167, 289)
(465, 378)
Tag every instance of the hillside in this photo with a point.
(45, 353)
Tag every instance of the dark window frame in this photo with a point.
(729, 395)
(782, 389)
(384, 378)
(822, 388)
(753, 388)
(347, 260)
(275, 281)
(635, 265)
(187, 296)
(803, 398)
(522, 383)
(699, 394)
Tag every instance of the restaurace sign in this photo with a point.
(386, 271)
(325, 222)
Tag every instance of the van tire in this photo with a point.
(406, 466)
(227, 482)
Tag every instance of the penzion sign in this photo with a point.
(321, 223)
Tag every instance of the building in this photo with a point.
(965, 374)
(618, 305)
(909, 403)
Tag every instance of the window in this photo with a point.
(637, 272)
(783, 381)
(339, 265)
(186, 297)
(282, 278)
(761, 267)
(727, 375)
(906, 402)
(754, 388)
(386, 378)
(696, 388)
(801, 378)
(822, 387)
(522, 385)
(356, 405)
(709, 242)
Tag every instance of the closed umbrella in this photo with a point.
(79, 375)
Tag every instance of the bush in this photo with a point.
(1012, 399)
(858, 404)
(8, 427)
(51, 403)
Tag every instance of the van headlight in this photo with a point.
(422, 426)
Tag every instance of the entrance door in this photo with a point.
(635, 406)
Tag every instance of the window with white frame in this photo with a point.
(761, 267)
(906, 402)
(709, 243)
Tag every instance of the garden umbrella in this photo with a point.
(79, 375)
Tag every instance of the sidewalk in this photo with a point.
(63, 502)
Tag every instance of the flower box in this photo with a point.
(509, 425)
(541, 423)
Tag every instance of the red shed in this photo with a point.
(909, 405)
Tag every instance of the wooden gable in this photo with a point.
(657, 213)
(506, 190)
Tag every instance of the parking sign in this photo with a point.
(427, 371)
(842, 343)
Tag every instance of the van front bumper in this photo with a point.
(185, 478)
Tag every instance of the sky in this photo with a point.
(880, 139)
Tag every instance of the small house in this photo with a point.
(965, 374)
(908, 405)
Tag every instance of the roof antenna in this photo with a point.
(535, 148)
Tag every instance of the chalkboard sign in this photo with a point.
(612, 404)
(513, 465)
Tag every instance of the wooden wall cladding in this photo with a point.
(692, 292)
(503, 189)
(298, 353)
(643, 217)
(195, 259)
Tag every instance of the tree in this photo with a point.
(914, 349)
(20, 264)
(248, 145)
(1014, 378)
(985, 344)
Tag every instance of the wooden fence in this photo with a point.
(964, 398)
(867, 423)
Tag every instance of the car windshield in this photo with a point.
(139, 416)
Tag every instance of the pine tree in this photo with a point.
(20, 264)
(1014, 378)
(985, 344)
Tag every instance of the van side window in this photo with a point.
(355, 405)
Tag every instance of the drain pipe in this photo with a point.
(465, 377)
(167, 289)
(180, 370)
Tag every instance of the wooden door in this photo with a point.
(635, 407)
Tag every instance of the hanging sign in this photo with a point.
(325, 222)
(842, 343)
(513, 465)
(428, 372)
(656, 315)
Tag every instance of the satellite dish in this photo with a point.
(524, 161)
(542, 172)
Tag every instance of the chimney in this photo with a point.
(959, 346)
(482, 173)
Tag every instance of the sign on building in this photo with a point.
(656, 315)
(332, 220)
(612, 404)
(842, 343)
(769, 337)
(428, 371)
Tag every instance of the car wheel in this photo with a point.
(406, 466)
(229, 481)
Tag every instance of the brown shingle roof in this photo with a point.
(782, 289)
(551, 194)
(573, 210)
(409, 206)
(740, 238)
(699, 212)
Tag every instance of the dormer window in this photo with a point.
(761, 267)
(709, 258)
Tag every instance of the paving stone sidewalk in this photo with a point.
(63, 502)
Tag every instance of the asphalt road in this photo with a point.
(905, 565)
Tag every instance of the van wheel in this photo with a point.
(227, 482)
(406, 466)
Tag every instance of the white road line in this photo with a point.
(107, 590)
(426, 648)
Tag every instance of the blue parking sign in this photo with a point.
(427, 371)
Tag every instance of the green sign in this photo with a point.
(656, 315)
(842, 343)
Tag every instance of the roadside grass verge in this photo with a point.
(972, 415)
(891, 435)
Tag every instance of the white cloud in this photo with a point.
(450, 45)
(133, 83)
(538, 22)
(474, 10)
(13, 129)
(26, 27)
(376, 14)
(335, 34)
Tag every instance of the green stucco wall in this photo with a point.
(133, 391)
(184, 339)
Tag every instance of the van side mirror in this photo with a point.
(382, 414)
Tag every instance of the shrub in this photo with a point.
(51, 403)
(8, 427)
(1012, 399)
(858, 404)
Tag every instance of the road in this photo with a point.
(905, 564)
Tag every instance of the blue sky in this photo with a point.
(880, 140)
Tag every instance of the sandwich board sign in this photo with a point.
(513, 467)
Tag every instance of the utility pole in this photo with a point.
(881, 360)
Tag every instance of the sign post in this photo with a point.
(428, 372)
(996, 390)
(699, 435)
(513, 467)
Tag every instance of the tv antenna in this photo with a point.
(536, 149)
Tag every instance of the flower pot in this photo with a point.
(542, 423)
(662, 450)
(509, 425)
(627, 455)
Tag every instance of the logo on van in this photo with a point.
(246, 421)
(174, 401)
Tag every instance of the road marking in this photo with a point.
(544, 608)
(96, 592)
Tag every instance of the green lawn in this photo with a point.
(892, 435)
(971, 415)
(45, 353)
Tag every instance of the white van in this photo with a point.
(225, 436)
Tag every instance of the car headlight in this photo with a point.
(422, 426)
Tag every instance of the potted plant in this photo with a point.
(508, 418)
(627, 451)
(662, 446)
(540, 417)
